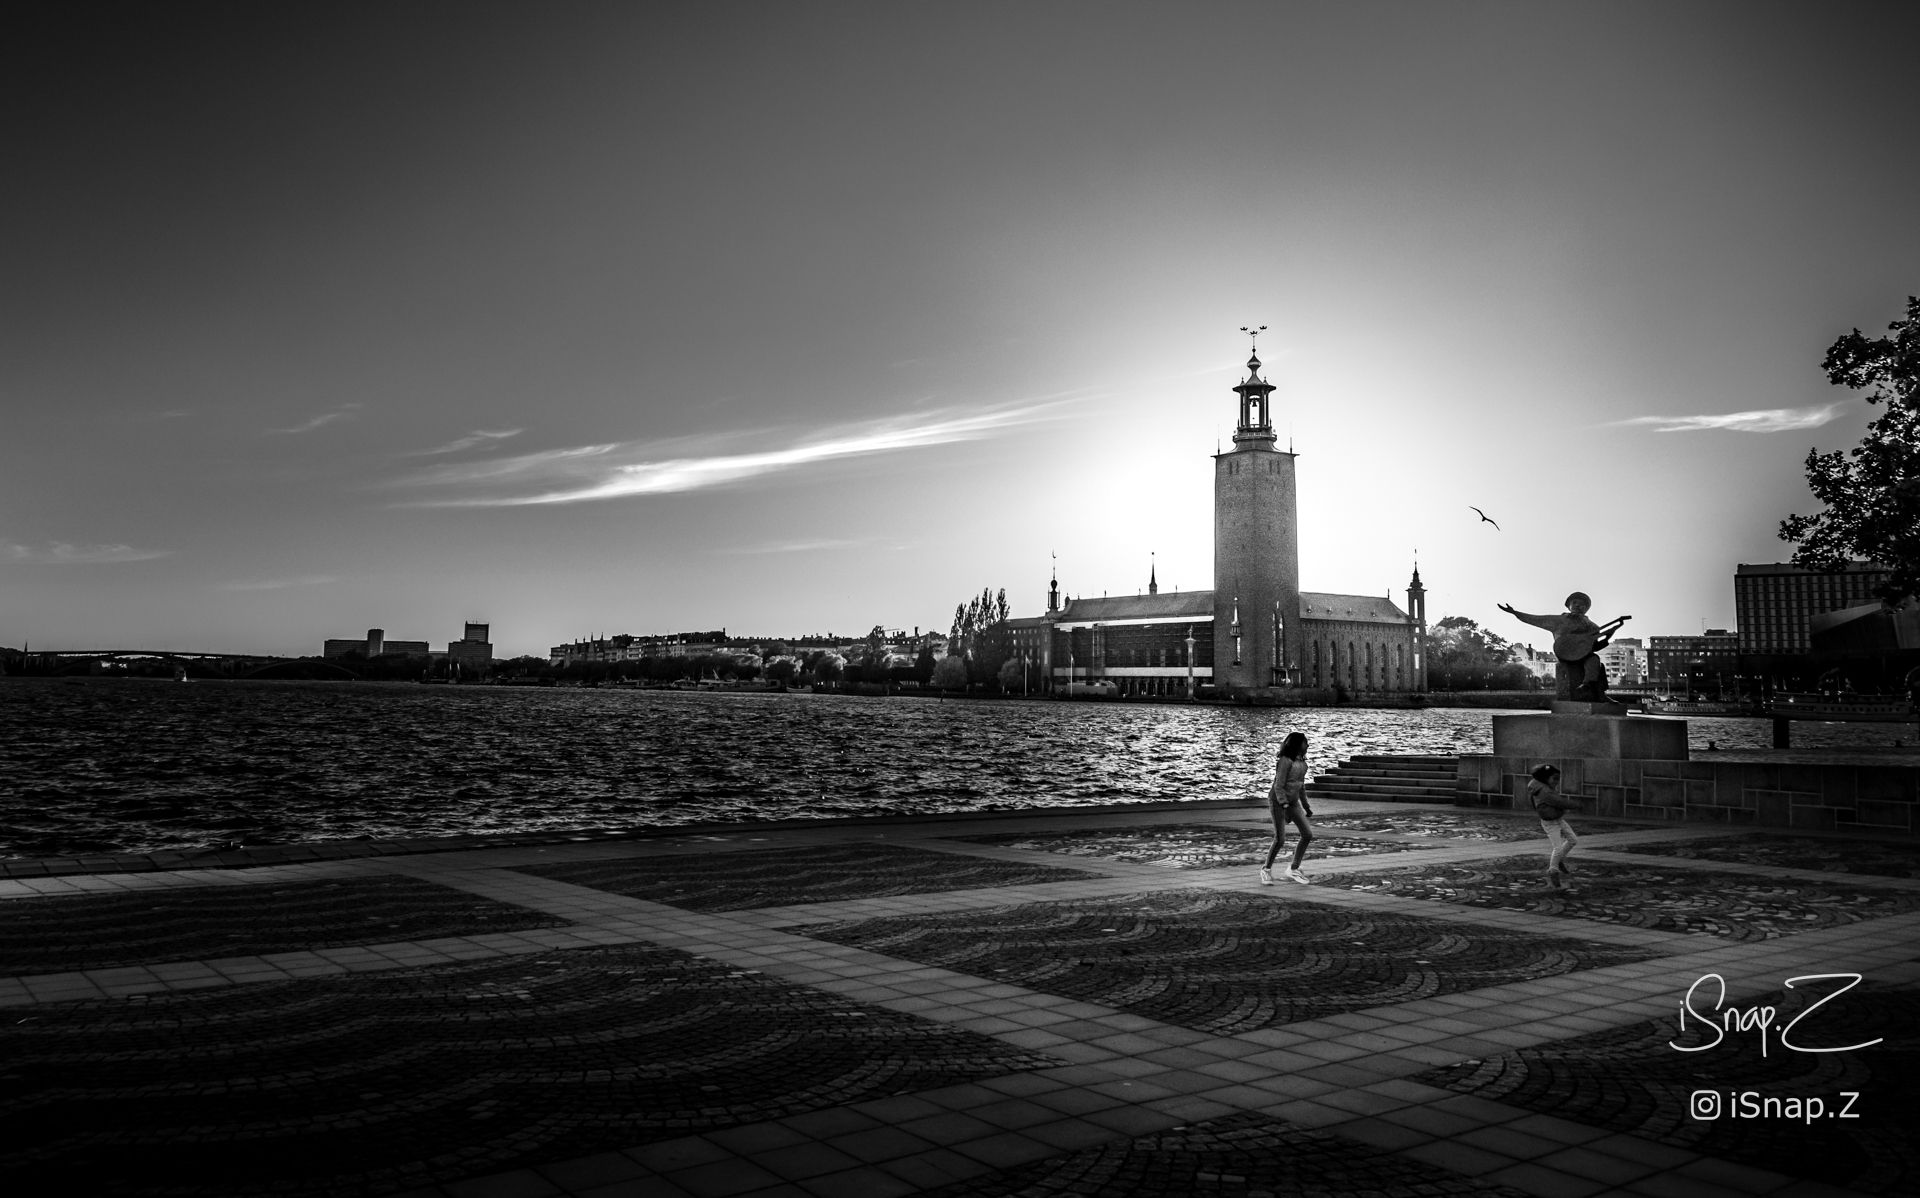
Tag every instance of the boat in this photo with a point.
(1659, 706)
(1882, 709)
(1098, 688)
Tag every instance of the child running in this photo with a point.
(1287, 801)
(1551, 806)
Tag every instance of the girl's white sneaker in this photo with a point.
(1266, 876)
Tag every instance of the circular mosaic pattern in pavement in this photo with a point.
(139, 927)
(1248, 1155)
(1454, 825)
(1222, 963)
(1630, 1080)
(377, 1082)
(1733, 906)
(811, 874)
(1183, 846)
(1897, 859)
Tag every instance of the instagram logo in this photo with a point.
(1704, 1104)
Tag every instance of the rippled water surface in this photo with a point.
(136, 765)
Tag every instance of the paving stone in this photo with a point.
(1462, 826)
(1890, 859)
(1222, 962)
(738, 881)
(1241, 1155)
(1632, 1082)
(57, 933)
(447, 1073)
(1180, 846)
(1733, 906)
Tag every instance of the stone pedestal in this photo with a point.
(1582, 707)
(1559, 736)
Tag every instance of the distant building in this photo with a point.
(375, 644)
(1774, 604)
(625, 647)
(1869, 629)
(1256, 633)
(473, 652)
(1678, 663)
(1539, 664)
(1625, 659)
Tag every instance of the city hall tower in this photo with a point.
(1257, 638)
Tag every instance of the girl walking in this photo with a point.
(1551, 806)
(1287, 802)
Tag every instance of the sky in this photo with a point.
(800, 318)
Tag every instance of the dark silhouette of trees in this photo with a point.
(980, 635)
(1873, 500)
(950, 674)
(1461, 655)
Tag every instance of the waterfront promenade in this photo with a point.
(1040, 1002)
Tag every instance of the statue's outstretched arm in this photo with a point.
(1550, 623)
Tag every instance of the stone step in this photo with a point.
(1398, 759)
(1339, 790)
(1435, 778)
(1390, 778)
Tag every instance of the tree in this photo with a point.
(1012, 676)
(1873, 501)
(951, 673)
(827, 666)
(1470, 657)
(980, 634)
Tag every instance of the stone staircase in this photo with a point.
(1392, 778)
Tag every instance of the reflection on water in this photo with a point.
(135, 765)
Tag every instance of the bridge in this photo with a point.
(175, 662)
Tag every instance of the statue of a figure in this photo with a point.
(1577, 641)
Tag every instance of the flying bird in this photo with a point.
(1487, 518)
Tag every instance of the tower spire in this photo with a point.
(1153, 576)
(1256, 408)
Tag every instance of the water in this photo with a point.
(101, 766)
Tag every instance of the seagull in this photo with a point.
(1487, 518)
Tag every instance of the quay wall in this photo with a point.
(1811, 796)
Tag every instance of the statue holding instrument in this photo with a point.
(1579, 673)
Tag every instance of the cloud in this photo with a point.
(60, 553)
(479, 436)
(621, 469)
(342, 412)
(1763, 420)
(280, 584)
(792, 546)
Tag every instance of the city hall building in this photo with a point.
(1256, 633)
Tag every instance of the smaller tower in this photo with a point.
(1053, 589)
(1417, 608)
(1153, 575)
